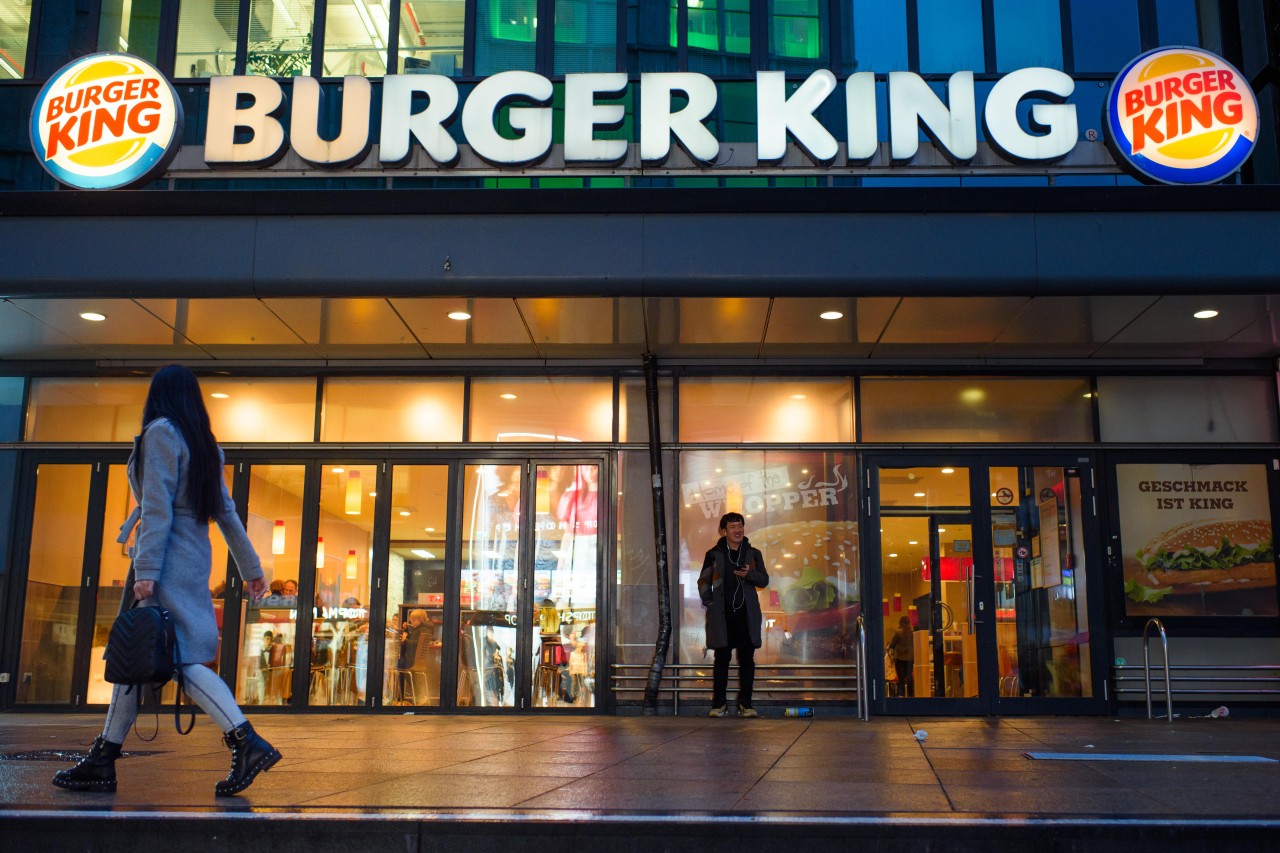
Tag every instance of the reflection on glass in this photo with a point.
(415, 585)
(207, 38)
(800, 510)
(269, 632)
(126, 26)
(85, 409)
(586, 34)
(432, 37)
(1042, 618)
(487, 593)
(879, 38)
(564, 585)
(280, 37)
(1028, 33)
(505, 34)
(797, 29)
(113, 570)
(340, 611)
(53, 584)
(16, 18)
(950, 36)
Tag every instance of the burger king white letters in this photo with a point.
(253, 104)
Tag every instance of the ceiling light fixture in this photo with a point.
(459, 315)
(918, 495)
(507, 396)
(831, 315)
(92, 316)
(948, 470)
(1206, 314)
(218, 395)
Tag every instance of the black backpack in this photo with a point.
(142, 647)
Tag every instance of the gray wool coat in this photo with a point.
(172, 548)
(712, 588)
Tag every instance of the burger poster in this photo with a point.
(1196, 540)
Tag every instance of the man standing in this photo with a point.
(731, 574)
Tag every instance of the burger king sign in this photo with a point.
(106, 121)
(1181, 115)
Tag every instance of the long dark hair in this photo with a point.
(175, 394)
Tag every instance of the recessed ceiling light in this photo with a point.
(424, 554)
(93, 316)
(831, 315)
(459, 315)
(338, 470)
(797, 396)
(893, 555)
(948, 470)
(429, 529)
(404, 513)
(942, 530)
(918, 495)
(1088, 395)
(507, 396)
(1207, 314)
(912, 542)
(218, 395)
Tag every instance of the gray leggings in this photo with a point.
(204, 687)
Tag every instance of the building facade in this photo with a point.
(972, 308)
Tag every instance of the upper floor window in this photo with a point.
(15, 30)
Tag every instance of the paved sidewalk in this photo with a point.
(664, 782)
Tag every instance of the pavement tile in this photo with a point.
(851, 797)
(613, 794)
(836, 773)
(1054, 800)
(443, 790)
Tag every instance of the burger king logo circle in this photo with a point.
(106, 121)
(1181, 115)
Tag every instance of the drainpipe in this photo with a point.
(663, 643)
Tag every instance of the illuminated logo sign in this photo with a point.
(1180, 115)
(106, 121)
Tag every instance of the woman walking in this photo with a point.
(175, 473)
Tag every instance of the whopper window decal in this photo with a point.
(106, 121)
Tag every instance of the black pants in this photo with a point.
(746, 674)
(905, 685)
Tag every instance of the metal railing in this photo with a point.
(864, 706)
(1255, 680)
(1146, 666)
(799, 680)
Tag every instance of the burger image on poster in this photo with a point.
(813, 566)
(1205, 557)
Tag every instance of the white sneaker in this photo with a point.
(722, 711)
(747, 712)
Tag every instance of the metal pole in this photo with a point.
(864, 710)
(1146, 667)
(663, 644)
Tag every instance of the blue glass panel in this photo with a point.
(879, 38)
(1104, 34)
(506, 31)
(1176, 22)
(586, 36)
(10, 407)
(1028, 33)
(950, 36)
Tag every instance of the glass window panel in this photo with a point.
(798, 30)
(54, 569)
(1104, 34)
(340, 624)
(506, 35)
(355, 37)
(207, 38)
(11, 388)
(541, 409)
(490, 575)
(719, 35)
(1176, 22)
(420, 410)
(261, 409)
(1042, 612)
(269, 633)
(651, 39)
(637, 594)
(950, 36)
(979, 409)
(1028, 33)
(280, 37)
(790, 410)
(633, 410)
(1187, 409)
(565, 576)
(801, 510)
(15, 30)
(128, 26)
(85, 409)
(878, 41)
(1196, 540)
(432, 36)
(415, 585)
(586, 35)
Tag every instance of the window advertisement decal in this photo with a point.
(1197, 540)
(800, 512)
(106, 121)
(1180, 115)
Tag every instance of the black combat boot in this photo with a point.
(250, 755)
(96, 772)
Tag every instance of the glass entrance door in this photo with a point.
(529, 557)
(986, 605)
